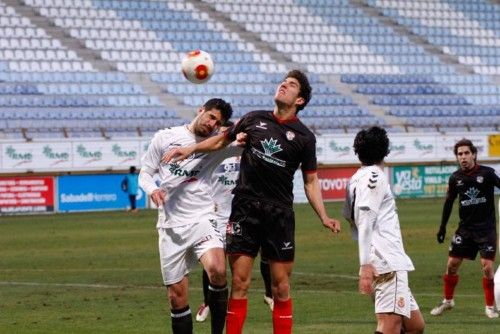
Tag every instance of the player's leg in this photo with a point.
(450, 281)
(282, 311)
(415, 324)
(462, 246)
(389, 323)
(488, 288)
(176, 260)
(265, 272)
(214, 262)
(241, 271)
(182, 322)
(204, 309)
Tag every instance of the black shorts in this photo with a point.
(255, 225)
(466, 244)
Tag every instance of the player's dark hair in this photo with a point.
(464, 142)
(132, 169)
(226, 111)
(371, 145)
(305, 88)
(228, 124)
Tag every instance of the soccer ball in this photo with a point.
(198, 66)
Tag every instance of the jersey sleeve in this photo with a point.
(152, 158)
(238, 127)
(451, 191)
(370, 191)
(309, 162)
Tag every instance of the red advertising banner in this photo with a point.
(26, 194)
(333, 182)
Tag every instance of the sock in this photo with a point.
(266, 276)
(377, 332)
(182, 322)
(236, 315)
(282, 317)
(204, 283)
(217, 301)
(450, 282)
(488, 288)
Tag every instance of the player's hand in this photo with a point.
(441, 234)
(177, 154)
(159, 197)
(366, 275)
(241, 139)
(332, 224)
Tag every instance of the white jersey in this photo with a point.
(380, 241)
(188, 182)
(223, 181)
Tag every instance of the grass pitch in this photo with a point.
(99, 273)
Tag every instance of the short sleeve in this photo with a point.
(152, 158)
(237, 128)
(309, 162)
(370, 191)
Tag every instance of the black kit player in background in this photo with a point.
(262, 216)
(474, 185)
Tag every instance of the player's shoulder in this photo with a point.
(373, 176)
(257, 114)
(486, 169)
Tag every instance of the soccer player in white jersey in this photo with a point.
(384, 265)
(185, 207)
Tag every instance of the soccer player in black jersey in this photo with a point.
(474, 185)
(262, 216)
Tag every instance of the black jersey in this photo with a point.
(475, 190)
(273, 153)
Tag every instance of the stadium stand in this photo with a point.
(420, 66)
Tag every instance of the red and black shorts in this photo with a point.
(255, 225)
(466, 244)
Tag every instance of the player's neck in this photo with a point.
(285, 114)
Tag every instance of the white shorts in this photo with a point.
(220, 225)
(393, 295)
(182, 246)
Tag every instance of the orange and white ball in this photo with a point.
(198, 66)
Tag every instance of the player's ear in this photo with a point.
(201, 110)
(299, 101)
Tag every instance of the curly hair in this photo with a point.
(371, 146)
(305, 87)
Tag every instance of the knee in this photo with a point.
(240, 285)
(177, 299)
(281, 290)
(217, 274)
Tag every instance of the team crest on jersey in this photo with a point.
(479, 179)
(290, 135)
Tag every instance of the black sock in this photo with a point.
(217, 301)
(182, 322)
(377, 332)
(266, 276)
(205, 282)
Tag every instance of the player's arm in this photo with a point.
(370, 193)
(210, 144)
(451, 194)
(366, 221)
(313, 193)
(150, 163)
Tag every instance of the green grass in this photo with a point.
(99, 273)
